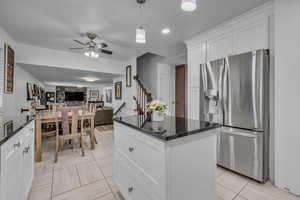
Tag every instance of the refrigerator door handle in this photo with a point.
(254, 87)
(225, 90)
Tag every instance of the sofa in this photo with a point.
(104, 116)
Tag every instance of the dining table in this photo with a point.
(49, 116)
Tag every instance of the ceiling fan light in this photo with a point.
(141, 35)
(87, 53)
(188, 5)
(95, 54)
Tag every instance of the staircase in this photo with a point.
(142, 98)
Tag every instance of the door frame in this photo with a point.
(185, 88)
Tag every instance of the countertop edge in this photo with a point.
(171, 138)
(15, 132)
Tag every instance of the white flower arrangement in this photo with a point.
(157, 105)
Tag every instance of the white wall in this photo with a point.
(287, 94)
(4, 38)
(166, 86)
(127, 92)
(147, 71)
(14, 102)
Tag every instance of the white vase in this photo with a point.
(158, 116)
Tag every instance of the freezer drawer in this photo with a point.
(241, 151)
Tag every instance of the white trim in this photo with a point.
(251, 17)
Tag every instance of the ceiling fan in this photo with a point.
(92, 48)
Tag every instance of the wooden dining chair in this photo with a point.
(67, 115)
(49, 129)
(90, 108)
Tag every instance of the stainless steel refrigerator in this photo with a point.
(234, 91)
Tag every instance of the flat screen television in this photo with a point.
(74, 96)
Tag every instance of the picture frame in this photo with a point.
(8, 127)
(108, 95)
(128, 76)
(94, 93)
(118, 90)
(35, 90)
(29, 91)
(9, 65)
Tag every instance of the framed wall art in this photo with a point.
(94, 93)
(9, 65)
(109, 95)
(118, 90)
(128, 76)
(29, 91)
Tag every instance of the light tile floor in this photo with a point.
(75, 177)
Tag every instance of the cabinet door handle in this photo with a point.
(130, 149)
(31, 129)
(130, 189)
(26, 150)
(17, 145)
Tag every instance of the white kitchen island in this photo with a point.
(170, 160)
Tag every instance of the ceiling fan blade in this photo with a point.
(79, 42)
(104, 45)
(106, 51)
(74, 48)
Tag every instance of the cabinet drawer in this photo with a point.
(123, 178)
(27, 133)
(12, 145)
(128, 181)
(126, 144)
(148, 155)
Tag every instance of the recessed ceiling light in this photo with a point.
(188, 5)
(90, 79)
(165, 31)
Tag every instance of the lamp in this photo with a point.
(140, 35)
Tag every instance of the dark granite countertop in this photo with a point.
(11, 124)
(169, 129)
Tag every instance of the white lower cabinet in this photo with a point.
(146, 168)
(17, 165)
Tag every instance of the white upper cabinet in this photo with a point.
(220, 46)
(245, 33)
(251, 37)
(196, 56)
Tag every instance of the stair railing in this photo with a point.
(120, 108)
(142, 98)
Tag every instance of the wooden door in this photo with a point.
(180, 90)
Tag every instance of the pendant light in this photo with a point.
(140, 36)
(189, 5)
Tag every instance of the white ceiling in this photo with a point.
(61, 76)
(54, 23)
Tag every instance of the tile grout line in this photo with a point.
(52, 182)
(248, 181)
(105, 178)
(241, 190)
(77, 172)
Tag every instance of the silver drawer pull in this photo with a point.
(31, 129)
(26, 150)
(130, 149)
(17, 145)
(130, 189)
